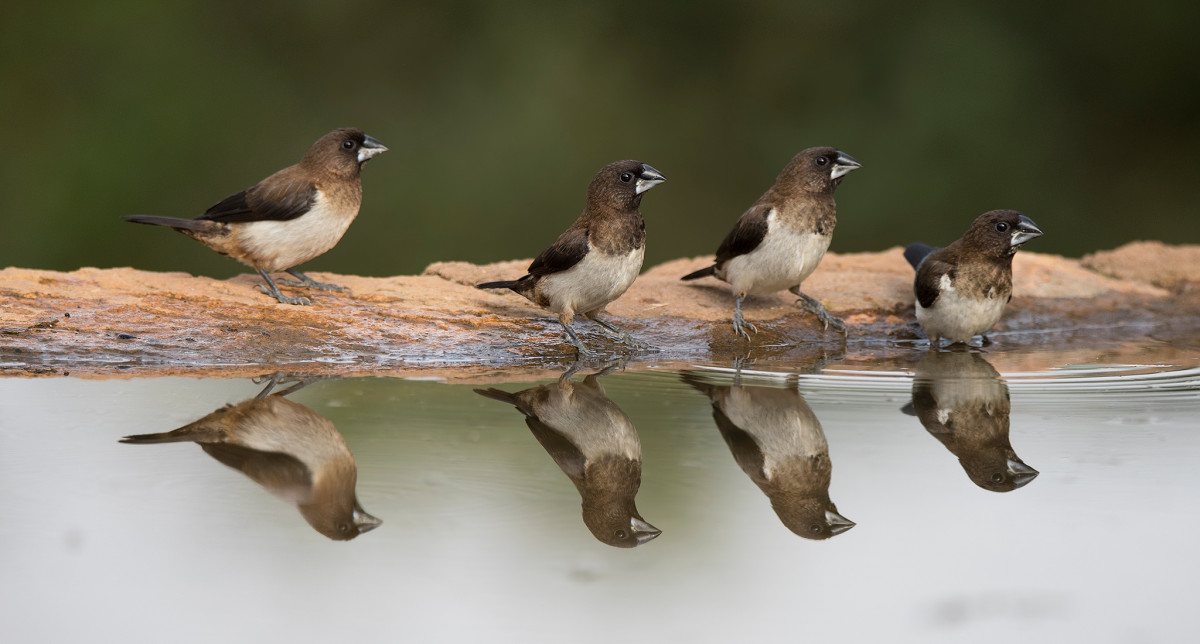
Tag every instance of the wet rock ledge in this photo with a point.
(125, 322)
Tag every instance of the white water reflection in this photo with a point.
(483, 539)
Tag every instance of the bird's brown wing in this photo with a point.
(928, 283)
(747, 234)
(566, 251)
(280, 197)
(746, 451)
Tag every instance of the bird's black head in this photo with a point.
(811, 518)
(817, 169)
(337, 520)
(342, 152)
(999, 233)
(618, 525)
(998, 472)
(620, 185)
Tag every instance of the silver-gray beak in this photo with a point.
(643, 531)
(647, 179)
(1021, 473)
(844, 165)
(364, 521)
(1025, 231)
(838, 523)
(370, 147)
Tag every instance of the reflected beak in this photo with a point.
(1021, 473)
(370, 147)
(364, 521)
(844, 165)
(838, 523)
(647, 179)
(1025, 231)
(643, 531)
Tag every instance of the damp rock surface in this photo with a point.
(126, 322)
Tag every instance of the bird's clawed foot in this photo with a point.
(283, 299)
(581, 349)
(819, 310)
(306, 281)
(740, 325)
(623, 335)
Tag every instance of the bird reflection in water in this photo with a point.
(595, 445)
(778, 442)
(287, 448)
(961, 400)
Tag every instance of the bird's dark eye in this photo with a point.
(822, 160)
(997, 478)
(343, 527)
(626, 177)
(348, 144)
(1001, 226)
(621, 533)
(814, 528)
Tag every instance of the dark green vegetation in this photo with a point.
(498, 114)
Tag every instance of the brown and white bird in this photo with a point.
(287, 448)
(594, 443)
(962, 289)
(598, 257)
(961, 401)
(779, 241)
(778, 442)
(291, 216)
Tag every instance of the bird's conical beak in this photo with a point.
(647, 179)
(643, 531)
(1021, 473)
(1025, 231)
(370, 147)
(844, 165)
(838, 523)
(364, 521)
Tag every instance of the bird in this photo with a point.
(287, 448)
(291, 216)
(778, 442)
(598, 257)
(961, 400)
(778, 242)
(962, 289)
(596, 445)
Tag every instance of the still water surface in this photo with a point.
(936, 502)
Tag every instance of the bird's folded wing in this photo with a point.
(278, 198)
(746, 235)
(566, 251)
(928, 283)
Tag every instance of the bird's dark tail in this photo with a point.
(916, 253)
(170, 222)
(502, 284)
(704, 272)
(165, 437)
(197, 432)
(496, 394)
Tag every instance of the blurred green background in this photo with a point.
(1086, 118)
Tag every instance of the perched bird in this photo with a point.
(778, 442)
(961, 400)
(291, 216)
(962, 289)
(593, 442)
(290, 450)
(779, 241)
(597, 258)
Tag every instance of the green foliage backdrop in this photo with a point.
(498, 114)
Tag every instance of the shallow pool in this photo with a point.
(929, 498)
